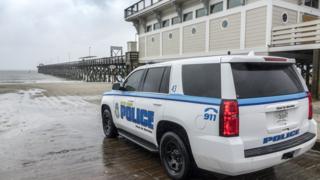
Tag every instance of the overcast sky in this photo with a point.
(46, 31)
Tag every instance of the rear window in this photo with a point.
(202, 80)
(262, 80)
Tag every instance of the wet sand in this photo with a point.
(60, 89)
(53, 131)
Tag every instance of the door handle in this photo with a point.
(156, 104)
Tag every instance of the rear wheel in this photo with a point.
(109, 128)
(174, 156)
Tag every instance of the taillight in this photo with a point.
(310, 112)
(229, 118)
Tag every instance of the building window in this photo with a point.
(175, 20)
(187, 16)
(149, 28)
(224, 24)
(170, 35)
(216, 7)
(156, 26)
(194, 31)
(166, 23)
(235, 3)
(201, 12)
(152, 39)
(284, 17)
(312, 3)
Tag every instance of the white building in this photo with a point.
(169, 29)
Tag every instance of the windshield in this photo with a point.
(263, 79)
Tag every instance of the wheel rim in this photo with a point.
(106, 122)
(173, 157)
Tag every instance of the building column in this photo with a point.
(142, 22)
(316, 73)
(178, 8)
(136, 24)
(206, 6)
(158, 17)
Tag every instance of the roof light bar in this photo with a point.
(274, 59)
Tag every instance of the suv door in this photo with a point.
(154, 87)
(124, 103)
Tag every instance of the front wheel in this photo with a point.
(174, 156)
(109, 128)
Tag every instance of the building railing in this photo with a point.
(297, 34)
(139, 6)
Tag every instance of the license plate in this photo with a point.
(281, 117)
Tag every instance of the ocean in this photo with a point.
(10, 77)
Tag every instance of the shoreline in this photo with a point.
(65, 88)
(89, 91)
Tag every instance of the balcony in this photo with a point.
(141, 6)
(297, 36)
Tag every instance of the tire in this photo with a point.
(109, 128)
(174, 156)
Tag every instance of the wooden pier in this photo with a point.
(107, 69)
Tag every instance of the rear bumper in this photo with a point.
(279, 146)
(227, 155)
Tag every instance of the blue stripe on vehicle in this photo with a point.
(169, 97)
(273, 99)
(209, 101)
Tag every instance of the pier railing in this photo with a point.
(106, 69)
(297, 34)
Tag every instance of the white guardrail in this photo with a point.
(297, 34)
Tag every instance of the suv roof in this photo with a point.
(223, 59)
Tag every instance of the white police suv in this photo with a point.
(230, 114)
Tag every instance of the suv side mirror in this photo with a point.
(116, 86)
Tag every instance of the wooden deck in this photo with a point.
(298, 36)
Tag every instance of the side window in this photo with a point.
(149, 28)
(312, 3)
(133, 81)
(156, 26)
(216, 8)
(202, 80)
(153, 80)
(166, 23)
(235, 3)
(164, 88)
(201, 12)
(175, 20)
(187, 16)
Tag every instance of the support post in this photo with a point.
(159, 17)
(315, 73)
(178, 8)
(206, 6)
(136, 24)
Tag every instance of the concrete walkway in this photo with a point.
(316, 115)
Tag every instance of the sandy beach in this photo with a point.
(59, 89)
